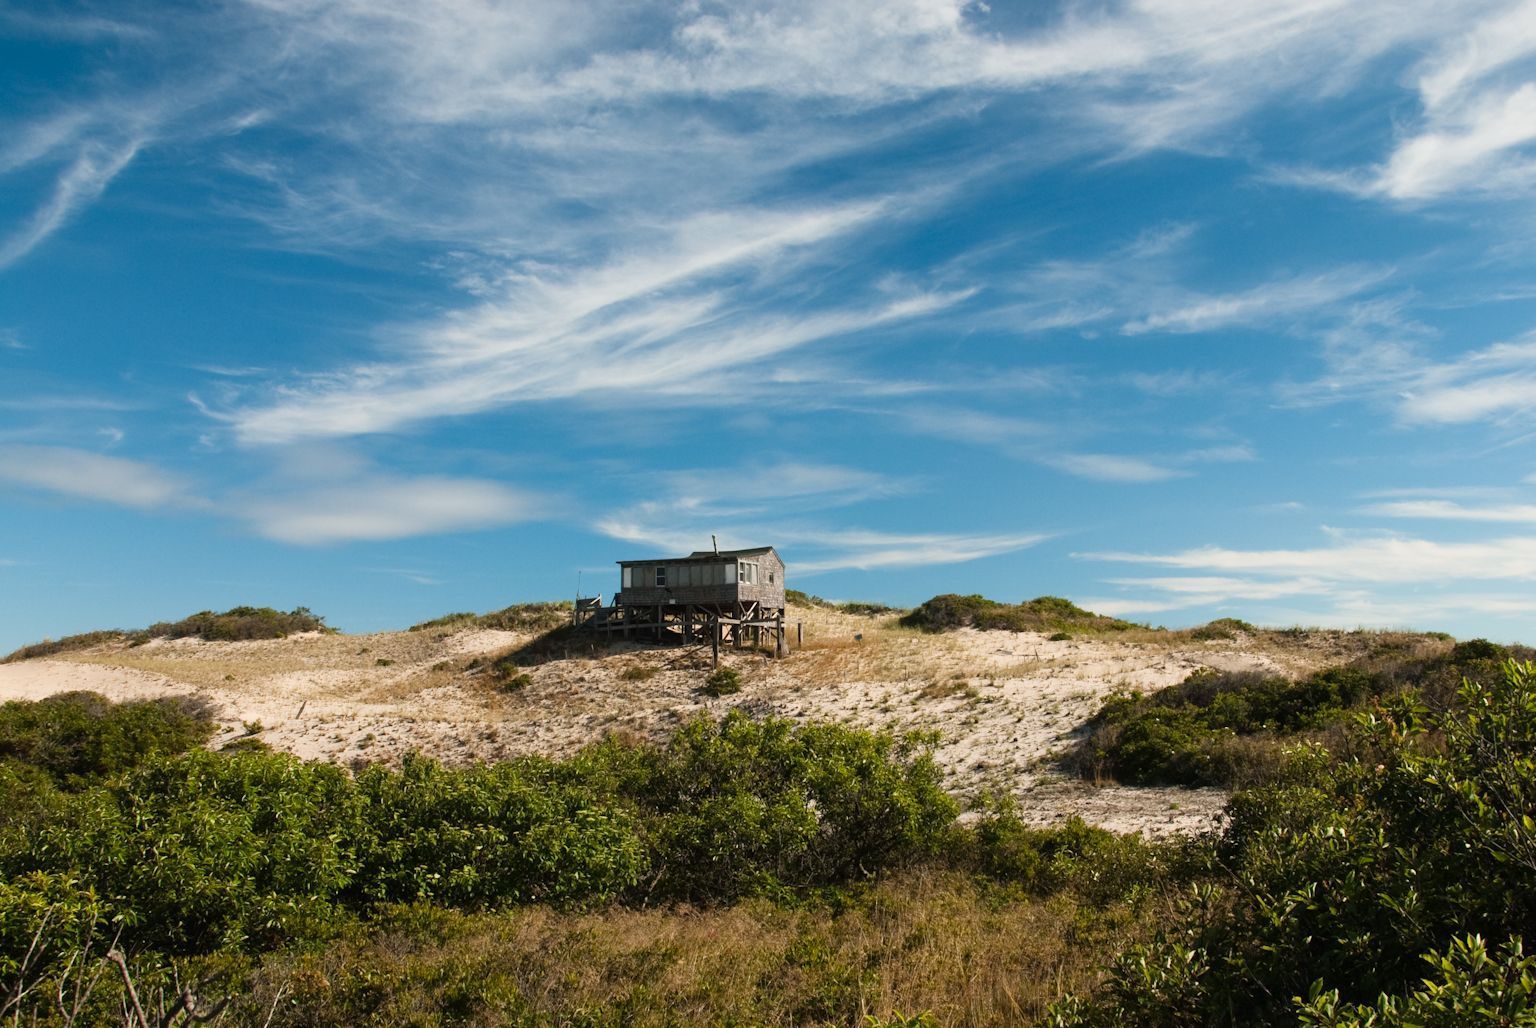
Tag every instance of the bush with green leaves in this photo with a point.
(218, 851)
(1338, 879)
(1043, 614)
(206, 850)
(237, 624)
(488, 835)
(80, 737)
(1466, 985)
(1232, 728)
(738, 806)
(1096, 865)
(722, 681)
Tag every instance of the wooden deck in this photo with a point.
(741, 624)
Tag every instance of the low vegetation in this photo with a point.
(520, 617)
(71, 740)
(228, 866)
(864, 608)
(69, 643)
(238, 624)
(1043, 614)
(722, 682)
(1377, 867)
(1388, 881)
(1233, 728)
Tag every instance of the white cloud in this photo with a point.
(755, 506)
(867, 551)
(811, 549)
(87, 176)
(1447, 510)
(1499, 380)
(1109, 467)
(1263, 304)
(1479, 113)
(680, 319)
(1355, 581)
(380, 507)
(1476, 149)
(1392, 559)
(91, 476)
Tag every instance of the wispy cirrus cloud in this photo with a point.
(1479, 114)
(779, 503)
(1266, 303)
(1355, 579)
(660, 322)
(91, 476)
(85, 179)
(1371, 559)
(1450, 510)
(1495, 382)
(377, 507)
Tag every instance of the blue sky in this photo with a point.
(1179, 308)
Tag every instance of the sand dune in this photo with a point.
(1002, 702)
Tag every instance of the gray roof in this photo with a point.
(702, 555)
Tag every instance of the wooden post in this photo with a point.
(799, 634)
(714, 643)
(781, 639)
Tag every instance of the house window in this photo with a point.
(626, 578)
(661, 576)
(770, 578)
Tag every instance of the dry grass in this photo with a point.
(922, 941)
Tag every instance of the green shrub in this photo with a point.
(1339, 877)
(207, 850)
(722, 682)
(507, 675)
(1221, 628)
(81, 737)
(1098, 866)
(1466, 986)
(1216, 727)
(481, 836)
(1043, 614)
(742, 806)
(238, 624)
